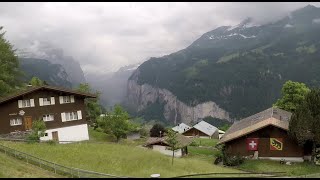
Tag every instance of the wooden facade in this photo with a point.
(9, 109)
(290, 148)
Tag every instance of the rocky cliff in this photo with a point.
(141, 96)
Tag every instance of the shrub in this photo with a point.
(232, 160)
(38, 129)
(194, 143)
(219, 157)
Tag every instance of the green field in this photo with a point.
(295, 169)
(117, 159)
(205, 142)
(13, 168)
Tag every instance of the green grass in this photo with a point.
(117, 159)
(13, 168)
(205, 142)
(295, 169)
(99, 136)
(200, 151)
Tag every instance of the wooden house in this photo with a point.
(202, 130)
(264, 136)
(162, 146)
(62, 110)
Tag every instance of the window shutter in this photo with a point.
(72, 99)
(61, 99)
(52, 101)
(40, 101)
(63, 117)
(79, 115)
(32, 102)
(20, 103)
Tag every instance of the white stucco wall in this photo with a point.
(71, 133)
(163, 150)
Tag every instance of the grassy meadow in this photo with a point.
(296, 169)
(117, 159)
(13, 168)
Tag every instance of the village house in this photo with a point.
(221, 133)
(264, 136)
(182, 127)
(161, 145)
(202, 130)
(62, 110)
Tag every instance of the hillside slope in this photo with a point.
(230, 72)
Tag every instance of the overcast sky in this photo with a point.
(104, 36)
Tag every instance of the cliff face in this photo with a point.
(141, 96)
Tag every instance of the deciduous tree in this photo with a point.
(293, 94)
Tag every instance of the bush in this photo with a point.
(194, 143)
(232, 160)
(143, 132)
(219, 157)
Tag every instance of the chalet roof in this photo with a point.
(183, 141)
(205, 128)
(181, 128)
(272, 116)
(33, 89)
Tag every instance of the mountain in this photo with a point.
(45, 50)
(53, 74)
(112, 85)
(230, 72)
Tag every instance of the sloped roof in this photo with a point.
(181, 128)
(205, 128)
(272, 116)
(32, 89)
(183, 141)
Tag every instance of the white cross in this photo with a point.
(252, 144)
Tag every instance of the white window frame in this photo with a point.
(66, 99)
(16, 121)
(48, 117)
(26, 103)
(71, 116)
(46, 101)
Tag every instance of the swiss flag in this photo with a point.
(252, 144)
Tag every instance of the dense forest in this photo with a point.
(241, 69)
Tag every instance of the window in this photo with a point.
(71, 116)
(26, 103)
(46, 101)
(66, 99)
(15, 122)
(45, 134)
(48, 117)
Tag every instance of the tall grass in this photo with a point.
(13, 168)
(295, 169)
(117, 159)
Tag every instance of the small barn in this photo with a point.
(264, 136)
(182, 127)
(203, 130)
(161, 145)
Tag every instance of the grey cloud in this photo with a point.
(106, 36)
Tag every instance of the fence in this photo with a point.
(80, 173)
(56, 168)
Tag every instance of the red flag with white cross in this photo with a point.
(252, 144)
